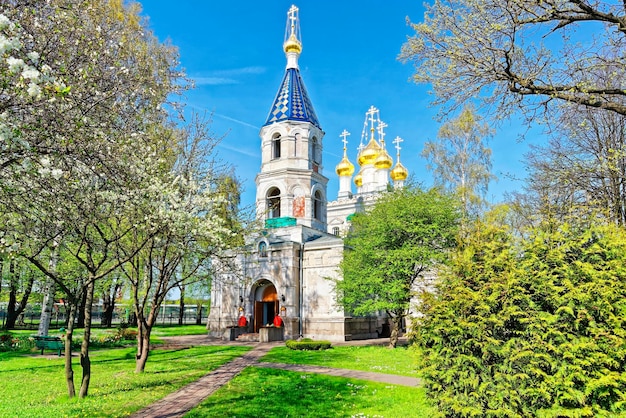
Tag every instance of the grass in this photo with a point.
(400, 361)
(258, 392)
(38, 386)
(34, 386)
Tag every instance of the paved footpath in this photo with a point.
(178, 403)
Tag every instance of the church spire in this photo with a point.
(292, 101)
(293, 41)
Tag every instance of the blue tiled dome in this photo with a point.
(292, 101)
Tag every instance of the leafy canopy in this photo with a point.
(407, 233)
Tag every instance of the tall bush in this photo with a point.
(529, 327)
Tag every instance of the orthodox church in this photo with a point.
(285, 272)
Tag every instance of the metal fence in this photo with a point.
(168, 315)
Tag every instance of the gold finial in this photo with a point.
(293, 41)
(369, 154)
(345, 167)
(399, 172)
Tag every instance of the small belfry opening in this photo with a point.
(273, 203)
(317, 205)
(276, 146)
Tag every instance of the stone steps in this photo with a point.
(250, 337)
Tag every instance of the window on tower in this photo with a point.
(316, 151)
(276, 146)
(317, 205)
(273, 203)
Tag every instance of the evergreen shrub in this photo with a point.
(529, 327)
(307, 344)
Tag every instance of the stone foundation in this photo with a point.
(267, 334)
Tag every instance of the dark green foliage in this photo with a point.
(307, 344)
(532, 327)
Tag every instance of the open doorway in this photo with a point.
(266, 305)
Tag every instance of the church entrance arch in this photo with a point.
(266, 304)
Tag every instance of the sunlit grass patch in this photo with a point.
(401, 360)
(258, 392)
(35, 386)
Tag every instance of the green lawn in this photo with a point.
(258, 392)
(401, 360)
(34, 386)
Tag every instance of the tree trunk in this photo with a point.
(143, 346)
(11, 309)
(396, 321)
(48, 299)
(181, 305)
(199, 313)
(80, 322)
(15, 309)
(69, 372)
(143, 335)
(47, 307)
(85, 362)
(108, 303)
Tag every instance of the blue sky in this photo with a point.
(233, 51)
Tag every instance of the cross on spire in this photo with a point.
(345, 135)
(371, 112)
(397, 143)
(381, 130)
(292, 15)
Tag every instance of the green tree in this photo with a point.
(530, 326)
(522, 52)
(392, 248)
(460, 160)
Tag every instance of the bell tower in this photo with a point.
(290, 186)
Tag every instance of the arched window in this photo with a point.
(317, 205)
(273, 203)
(336, 231)
(276, 146)
(316, 151)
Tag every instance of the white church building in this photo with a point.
(287, 269)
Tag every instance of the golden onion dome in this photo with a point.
(369, 154)
(292, 44)
(383, 160)
(399, 172)
(345, 168)
(358, 180)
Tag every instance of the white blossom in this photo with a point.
(33, 56)
(15, 64)
(34, 90)
(56, 173)
(31, 73)
(8, 44)
(5, 23)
